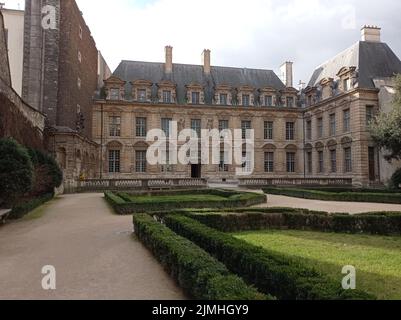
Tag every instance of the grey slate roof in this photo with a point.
(185, 74)
(373, 60)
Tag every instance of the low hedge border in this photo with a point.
(369, 196)
(379, 223)
(121, 204)
(21, 210)
(199, 274)
(269, 271)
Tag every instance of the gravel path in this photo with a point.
(328, 206)
(93, 251)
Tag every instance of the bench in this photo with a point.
(4, 215)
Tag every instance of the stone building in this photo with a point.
(61, 77)
(320, 132)
(14, 28)
(17, 119)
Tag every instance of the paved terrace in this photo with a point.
(93, 250)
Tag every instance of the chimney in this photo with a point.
(286, 74)
(169, 59)
(206, 61)
(371, 34)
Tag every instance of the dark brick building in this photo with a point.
(60, 65)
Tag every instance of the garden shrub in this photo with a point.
(353, 196)
(48, 174)
(396, 179)
(380, 223)
(124, 203)
(199, 274)
(16, 170)
(269, 271)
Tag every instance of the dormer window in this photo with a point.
(166, 92)
(142, 91)
(115, 89)
(290, 102)
(245, 100)
(346, 85)
(268, 101)
(114, 94)
(141, 95)
(195, 97)
(166, 96)
(348, 77)
(223, 99)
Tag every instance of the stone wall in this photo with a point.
(4, 65)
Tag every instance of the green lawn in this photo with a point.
(175, 198)
(377, 259)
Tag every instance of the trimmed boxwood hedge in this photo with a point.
(125, 203)
(24, 208)
(269, 271)
(199, 274)
(353, 196)
(379, 223)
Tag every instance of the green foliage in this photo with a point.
(269, 271)
(396, 179)
(125, 203)
(354, 196)
(200, 275)
(22, 209)
(379, 223)
(48, 173)
(386, 130)
(16, 170)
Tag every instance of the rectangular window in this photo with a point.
(369, 114)
(196, 125)
(290, 162)
(245, 125)
(140, 161)
(141, 127)
(223, 125)
(348, 160)
(268, 130)
(114, 161)
(268, 101)
(269, 162)
(166, 126)
(115, 126)
(346, 84)
(320, 127)
(320, 156)
(309, 162)
(333, 161)
(347, 120)
(333, 124)
(141, 95)
(195, 97)
(166, 96)
(223, 99)
(223, 167)
(290, 102)
(290, 131)
(114, 94)
(309, 130)
(245, 100)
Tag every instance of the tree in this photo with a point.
(16, 170)
(48, 174)
(386, 130)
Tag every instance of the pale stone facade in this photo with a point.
(320, 132)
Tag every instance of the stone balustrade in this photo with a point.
(293, 182)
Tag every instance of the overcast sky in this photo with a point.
(240, 33)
